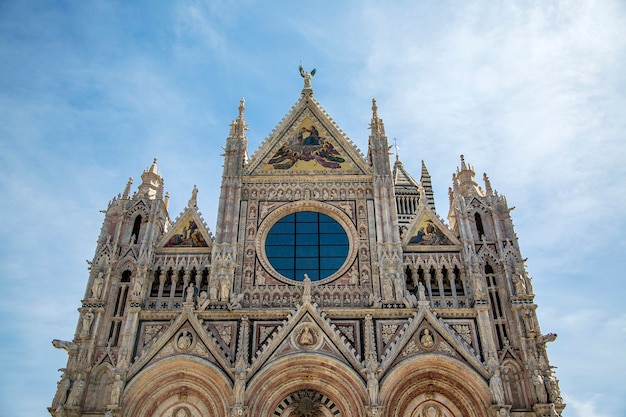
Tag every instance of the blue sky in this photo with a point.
(531, 92)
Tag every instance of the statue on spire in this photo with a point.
(194, 195)
(307, 77)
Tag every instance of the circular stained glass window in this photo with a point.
(306, 242)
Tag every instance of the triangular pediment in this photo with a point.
(189, 231)
(307, 141)
(306, 331)
(186, 335)
(139, 207)
(426, 334)
(426, 232)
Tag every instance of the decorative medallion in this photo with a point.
(184, 341)
(426, 339)
(306, 337)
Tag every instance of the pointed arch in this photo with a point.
(99, 388)
(515, 383)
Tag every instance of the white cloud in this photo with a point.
(583, 408)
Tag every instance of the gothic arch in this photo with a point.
(139, 208)
(482, 221)
(514, 383)
(181, 382)
(127, 264)
(511, 255)
(321, 374)
(99, 389)
(453, 387)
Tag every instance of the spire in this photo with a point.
(377, 126)
(126, 194)
(153, 167)
(465, 177)
(239, 126)
(152, 182)
(428, 187)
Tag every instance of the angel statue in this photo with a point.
(307, 77)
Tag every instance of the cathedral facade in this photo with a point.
(330, 287)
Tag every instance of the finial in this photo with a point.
(307, 77)
(239, 126)
(488, 188)
(126, 193)
(377, 127)
(153, 167)
(167, 200)
(194, 194)
(242, 107)
(463, 166)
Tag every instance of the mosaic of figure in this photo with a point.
(429, 234)
(189, 236)
(307, 145)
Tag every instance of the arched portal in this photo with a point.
(296, 383)
(434, 386)
(181, 386)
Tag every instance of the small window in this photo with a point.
(136, 228)
(479, 225)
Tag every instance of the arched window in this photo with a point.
(136, 228)
(460, 290)
(410, 280)
(447, 285)
(496, 306)
(479, 225)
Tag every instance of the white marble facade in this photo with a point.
(330, 286)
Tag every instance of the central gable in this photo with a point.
(307, 141)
